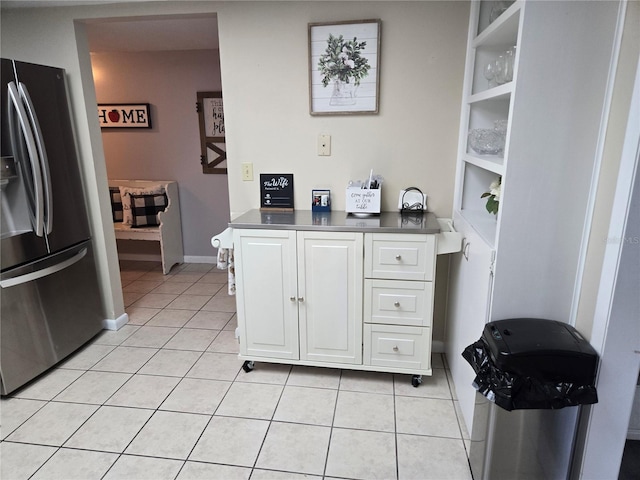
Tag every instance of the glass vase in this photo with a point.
(343, 93)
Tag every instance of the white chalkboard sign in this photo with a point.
(361, 200)
(276, 191)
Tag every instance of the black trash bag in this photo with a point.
(517, 392)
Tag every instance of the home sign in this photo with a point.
(124, 115)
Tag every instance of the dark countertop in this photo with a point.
(338, 221)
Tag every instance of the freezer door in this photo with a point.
(48, 310)
(67, 215)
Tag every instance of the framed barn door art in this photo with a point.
(213, 149)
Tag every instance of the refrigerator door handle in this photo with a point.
(10, 281)
(36, 205)
(42, 155)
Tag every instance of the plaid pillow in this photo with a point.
(116, 203)
(125, 192)
(145, 208)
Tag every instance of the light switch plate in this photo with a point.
(247, 172)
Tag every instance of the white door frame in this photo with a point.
(616, 331)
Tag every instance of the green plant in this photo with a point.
(493, 200)
(342, 60)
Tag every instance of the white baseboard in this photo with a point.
(143, 257)
(111, 324)
(146, 257)
(199, 259)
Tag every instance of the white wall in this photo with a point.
(170, 150)
(263, 49)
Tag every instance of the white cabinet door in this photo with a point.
(266, 293)
(470, 282)
(330, 296)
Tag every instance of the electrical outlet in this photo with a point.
(247, 172)
(324, 145)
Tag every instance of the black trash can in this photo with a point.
(527, 371)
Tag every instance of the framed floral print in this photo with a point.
(213, 149)
(344, 67)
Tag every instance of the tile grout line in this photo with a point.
(333, 421)
(395, 427)
(255, 463)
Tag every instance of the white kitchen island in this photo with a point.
(333, 290)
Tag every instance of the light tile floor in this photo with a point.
(165, 397)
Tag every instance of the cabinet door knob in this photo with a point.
(398, 257)
(396, 304)
(301, 299)
(395, 348)
(293, 299)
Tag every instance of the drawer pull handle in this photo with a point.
(396, 304)
(395, 348)
(301, 299)
(398, 257)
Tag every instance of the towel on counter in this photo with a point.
(225, 260)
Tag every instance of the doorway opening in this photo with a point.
(162, 61)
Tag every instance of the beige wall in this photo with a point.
(263, 49)
(170, 150)
(411, 142)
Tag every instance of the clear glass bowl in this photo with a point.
(500, 126)
(487, 141)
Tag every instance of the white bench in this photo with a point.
(168, 233)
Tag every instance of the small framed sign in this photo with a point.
(213, 147)
(320, 200)
(276, 192)
(124, 115)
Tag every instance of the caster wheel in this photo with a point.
(416, 380)
(248, 366)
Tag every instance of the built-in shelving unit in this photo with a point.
(526, 260)
(484, 104)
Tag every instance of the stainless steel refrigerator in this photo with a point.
(50, 303)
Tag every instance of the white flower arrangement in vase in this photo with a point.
(342, 62)
(493, 200)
